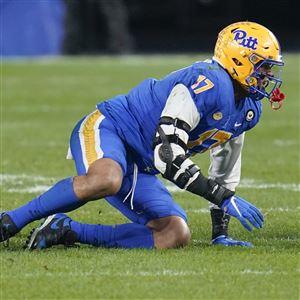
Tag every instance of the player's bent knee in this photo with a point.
(184, 238)
(182, 235)
(108, 184)
(174, 234)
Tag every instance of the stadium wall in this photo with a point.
(31, 28)
(51, 27)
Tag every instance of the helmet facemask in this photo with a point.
(265, 77)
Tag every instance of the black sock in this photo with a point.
(219, 221)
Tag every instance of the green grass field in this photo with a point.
(41, 100)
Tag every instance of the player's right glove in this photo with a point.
(244, 211)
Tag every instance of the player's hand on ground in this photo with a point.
(226, 241)
(244, 211)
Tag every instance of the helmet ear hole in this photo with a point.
(237, 62)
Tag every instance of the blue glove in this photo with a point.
(243, 211)
(227, 241)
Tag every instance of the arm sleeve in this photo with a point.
(181, 105)
(225, 162)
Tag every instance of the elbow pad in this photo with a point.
(184, 173)
(167, 146)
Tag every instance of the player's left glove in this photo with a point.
(244, 211)
(228, 242)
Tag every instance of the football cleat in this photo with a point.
(7, 228)
(55, 230)
(226, 241)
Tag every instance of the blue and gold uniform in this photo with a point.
(124, 127)
(156, 128)
(136, 115)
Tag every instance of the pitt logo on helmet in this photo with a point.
(241, 37)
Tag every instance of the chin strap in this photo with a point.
(276, 99)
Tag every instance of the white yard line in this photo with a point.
(198, 210)
(265, 211)
(255, 184)
(23, 183)
(164, 272)
(37, 189)
(17, 177)
(285, 143)
(257, 272)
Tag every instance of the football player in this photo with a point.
(156, 128)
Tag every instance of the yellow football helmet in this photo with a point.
(251, 55)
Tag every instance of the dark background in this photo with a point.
(164, 26)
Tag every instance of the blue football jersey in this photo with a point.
(136, 115)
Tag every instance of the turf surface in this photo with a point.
(40, 102)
